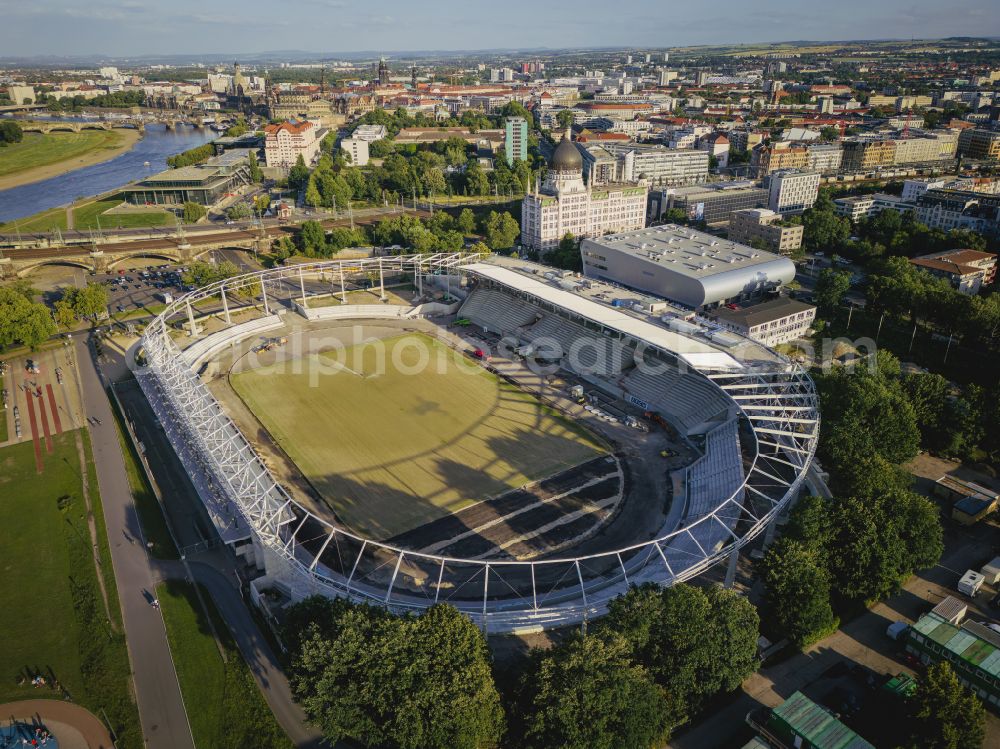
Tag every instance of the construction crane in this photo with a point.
(906, 126)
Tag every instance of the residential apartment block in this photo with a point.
(763, 227)
(976, 143)
(515, 143)
(967, 270)
(284, 143)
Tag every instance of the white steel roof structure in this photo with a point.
(307, 554)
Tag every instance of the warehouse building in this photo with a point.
(686, 266)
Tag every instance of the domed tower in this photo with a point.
(566, 168)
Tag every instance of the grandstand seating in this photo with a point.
(716, 475)
(689, 399)
(499, 312)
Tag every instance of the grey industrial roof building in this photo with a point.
(687, 266)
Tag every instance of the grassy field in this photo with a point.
(38, 149)
(52, 617)
(54, 218)
(393, 447)
(3, 424)
(224, 706)
(86, 215)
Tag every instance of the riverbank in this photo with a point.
(43, 156)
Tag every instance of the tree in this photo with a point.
(256, 175)
(23, 321)
(203, 274)
(10, 132)
(565, 118)
(64, 314)
(501, 229)
(409, 682)
(944, 714)
(567, 254)
(823, 229)
(694, 642)
(865, 414)
(797, 592)
(312, 238)
(193, 212)
(831, 286)
(238, 212)
(588, 694)
(829, 133)
(313, 195)
(298, 175)
(89, 301)
(262, 202)
(466, 221)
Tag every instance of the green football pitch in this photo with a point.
(391, 445)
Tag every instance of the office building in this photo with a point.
(824, 158)
(868, 155)
(370, 133)
(854, 207)
(685, 266)
(356, 150)
(791, 192)
(713, 203)
(764, 228)
(284, 143)
(659, 165)
(967, 270)
(772, 322)
(565, 204)
(975, 143)
(515, 142)
(914, 188)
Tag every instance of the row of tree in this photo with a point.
(653, 662)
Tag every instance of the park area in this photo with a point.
(63, 636)
(402, 431)
(224, 706)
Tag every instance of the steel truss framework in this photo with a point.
(308, 554)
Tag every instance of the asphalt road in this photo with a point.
(161, 708)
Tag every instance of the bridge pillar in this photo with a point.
(99, 260)
(7, 269)
(185, 253)
(262, 244)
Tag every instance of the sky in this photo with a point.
(136, 27)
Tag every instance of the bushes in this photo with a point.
(195, 155)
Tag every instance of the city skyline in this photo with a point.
(113, 28)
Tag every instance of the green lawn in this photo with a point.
(54, 218)
(87, 215)
(154, 526)
(52, 617)
(3, 424)
(393, 447)
(38, 149)
(224, 705)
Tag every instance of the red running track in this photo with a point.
(55, 409)
(45, 421)
(34, 432)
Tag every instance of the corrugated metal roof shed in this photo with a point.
(817, 726)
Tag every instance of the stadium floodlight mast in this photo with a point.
(305, 554)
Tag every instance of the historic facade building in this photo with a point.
(564, 204)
